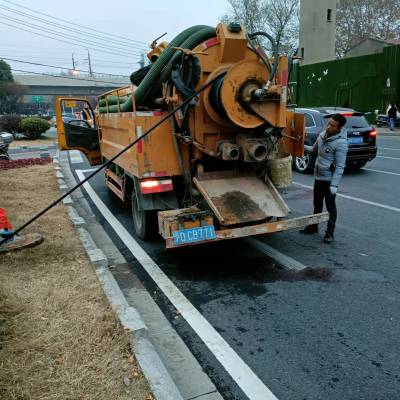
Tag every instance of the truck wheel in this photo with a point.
(304, 165)
(144, 221)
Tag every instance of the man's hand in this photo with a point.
(333, 190)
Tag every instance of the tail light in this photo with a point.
(149, 186)
(372, 133)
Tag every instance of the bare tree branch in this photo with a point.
(361, 19)
(279, 18)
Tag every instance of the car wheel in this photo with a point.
(305, 164)
(144, 221)
(356, 165)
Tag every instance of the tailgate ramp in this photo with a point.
(240, 198)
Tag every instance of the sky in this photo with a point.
(135, 24)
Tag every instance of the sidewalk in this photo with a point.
(59, 338)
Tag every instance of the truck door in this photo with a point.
(294, 134)
(77, 129)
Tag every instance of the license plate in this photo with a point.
(194, 234)
(355, 140)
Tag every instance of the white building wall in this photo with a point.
(317, 30)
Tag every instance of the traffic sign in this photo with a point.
(37, 99)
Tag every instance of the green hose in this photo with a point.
(112, 100)
(190, 43)
(196, 34)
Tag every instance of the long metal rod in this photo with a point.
(170, 114)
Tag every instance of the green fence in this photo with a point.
(366, 83)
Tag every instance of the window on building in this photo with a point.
(329, 15)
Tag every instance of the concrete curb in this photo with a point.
(162, 385)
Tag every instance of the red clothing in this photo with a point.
(4, 222)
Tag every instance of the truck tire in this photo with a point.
(144, 221)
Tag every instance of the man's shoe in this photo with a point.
(328, 238)
(309, 230)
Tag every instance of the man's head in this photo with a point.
(335, 124)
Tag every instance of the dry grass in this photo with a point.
(58, 337)
(24, 141)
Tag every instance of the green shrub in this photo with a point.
(10, 123)
(33, 127)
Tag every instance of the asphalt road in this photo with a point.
(330, 333)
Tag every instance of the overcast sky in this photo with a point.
(140, 21)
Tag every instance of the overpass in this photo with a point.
(41, 90)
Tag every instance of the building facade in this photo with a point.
(317, 31)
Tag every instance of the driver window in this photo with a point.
(78, 113)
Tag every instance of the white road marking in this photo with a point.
(87, 170)
(388, 148)
(282, 259)
(371, 203)
(389, 158)
(76, 156)
(381, 172)
(241, 373)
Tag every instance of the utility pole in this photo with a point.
(73, 61)
(90, 64)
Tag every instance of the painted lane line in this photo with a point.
(370, 203)
(282, 259)
(76, 156)
(381, 172)
(86, 170)
(389, 158)
(241, 373)
(388, 148)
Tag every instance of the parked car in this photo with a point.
(383, 120)
(361, 137)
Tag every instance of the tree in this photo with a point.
(10, 91)
(5, 72)
(279, 18)
(361, 19)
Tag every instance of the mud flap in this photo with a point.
(240, 199)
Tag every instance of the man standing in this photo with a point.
(330, 151)
(392, 115)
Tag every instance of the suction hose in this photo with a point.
(152, 79)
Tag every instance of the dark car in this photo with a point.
(361, 137)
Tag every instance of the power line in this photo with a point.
(69, 77)
(66, 36)
(55, 66)
(64, 41)
(74, 30)
(75, 24)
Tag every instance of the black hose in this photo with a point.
(274, 50)
(265, 62)
(170, 114)
(185, 84)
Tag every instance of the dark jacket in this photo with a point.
(331, 156)
(392, 113)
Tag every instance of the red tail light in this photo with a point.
(347, 114)
(372, 133)
(149, 186)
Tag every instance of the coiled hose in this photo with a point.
(152, 81)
